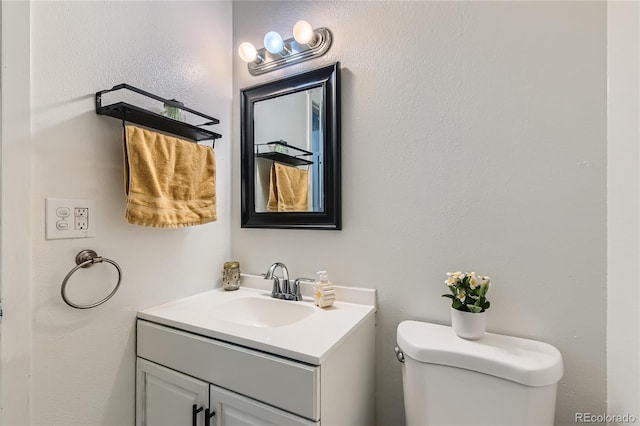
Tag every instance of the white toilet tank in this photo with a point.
(495, 380)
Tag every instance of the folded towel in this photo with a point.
(288, 189)
(169, 182)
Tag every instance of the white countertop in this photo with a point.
(308, 340)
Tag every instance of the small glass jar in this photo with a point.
(231, 276)
(174, 112)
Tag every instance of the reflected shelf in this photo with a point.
(279, 151)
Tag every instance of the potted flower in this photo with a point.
(468, 293)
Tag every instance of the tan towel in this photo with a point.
(288, 189)
(170, 182)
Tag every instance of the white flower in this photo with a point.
(473, 281)
(461, 297)
(451, 282)
(485, 282)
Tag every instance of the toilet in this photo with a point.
(495, 380)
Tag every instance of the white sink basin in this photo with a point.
(250, 317)
(262, 312)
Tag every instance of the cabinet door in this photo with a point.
(165, 397)
(232, 409)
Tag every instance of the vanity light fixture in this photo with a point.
(305, 44)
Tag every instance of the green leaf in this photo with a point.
(450, 296)
(475, 309)
(456, 304)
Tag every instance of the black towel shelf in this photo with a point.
(284, 158)
(138, 115)
(274, 153)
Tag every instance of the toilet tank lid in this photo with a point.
(524, 361)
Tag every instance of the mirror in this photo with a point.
(290, 136)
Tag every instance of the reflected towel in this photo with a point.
(288, 189)
(169, 182)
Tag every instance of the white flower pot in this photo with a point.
(467, 324)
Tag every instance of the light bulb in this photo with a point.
(273, 42)
(247, 52)
(303, 32)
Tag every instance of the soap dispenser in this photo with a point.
(324, 293)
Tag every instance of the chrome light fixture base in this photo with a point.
(292, 53)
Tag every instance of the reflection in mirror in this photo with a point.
(287, 131)
(291, 152)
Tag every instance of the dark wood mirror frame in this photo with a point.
(328, 78)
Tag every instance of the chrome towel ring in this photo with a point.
(85, 259)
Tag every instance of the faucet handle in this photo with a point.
(275, 290)
(296, 287)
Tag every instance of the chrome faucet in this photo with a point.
(277, 291)
(286, 291)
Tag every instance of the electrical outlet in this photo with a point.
(81, 215)
(69, 218)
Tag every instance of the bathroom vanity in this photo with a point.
(242, 357)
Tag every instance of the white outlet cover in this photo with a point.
(60, 221)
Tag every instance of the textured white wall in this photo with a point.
(83, 360)
(473, 138)
(15, 327)
(623, 176)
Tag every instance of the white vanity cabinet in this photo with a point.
(243, 358)
(167, 397)
(182, 377)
